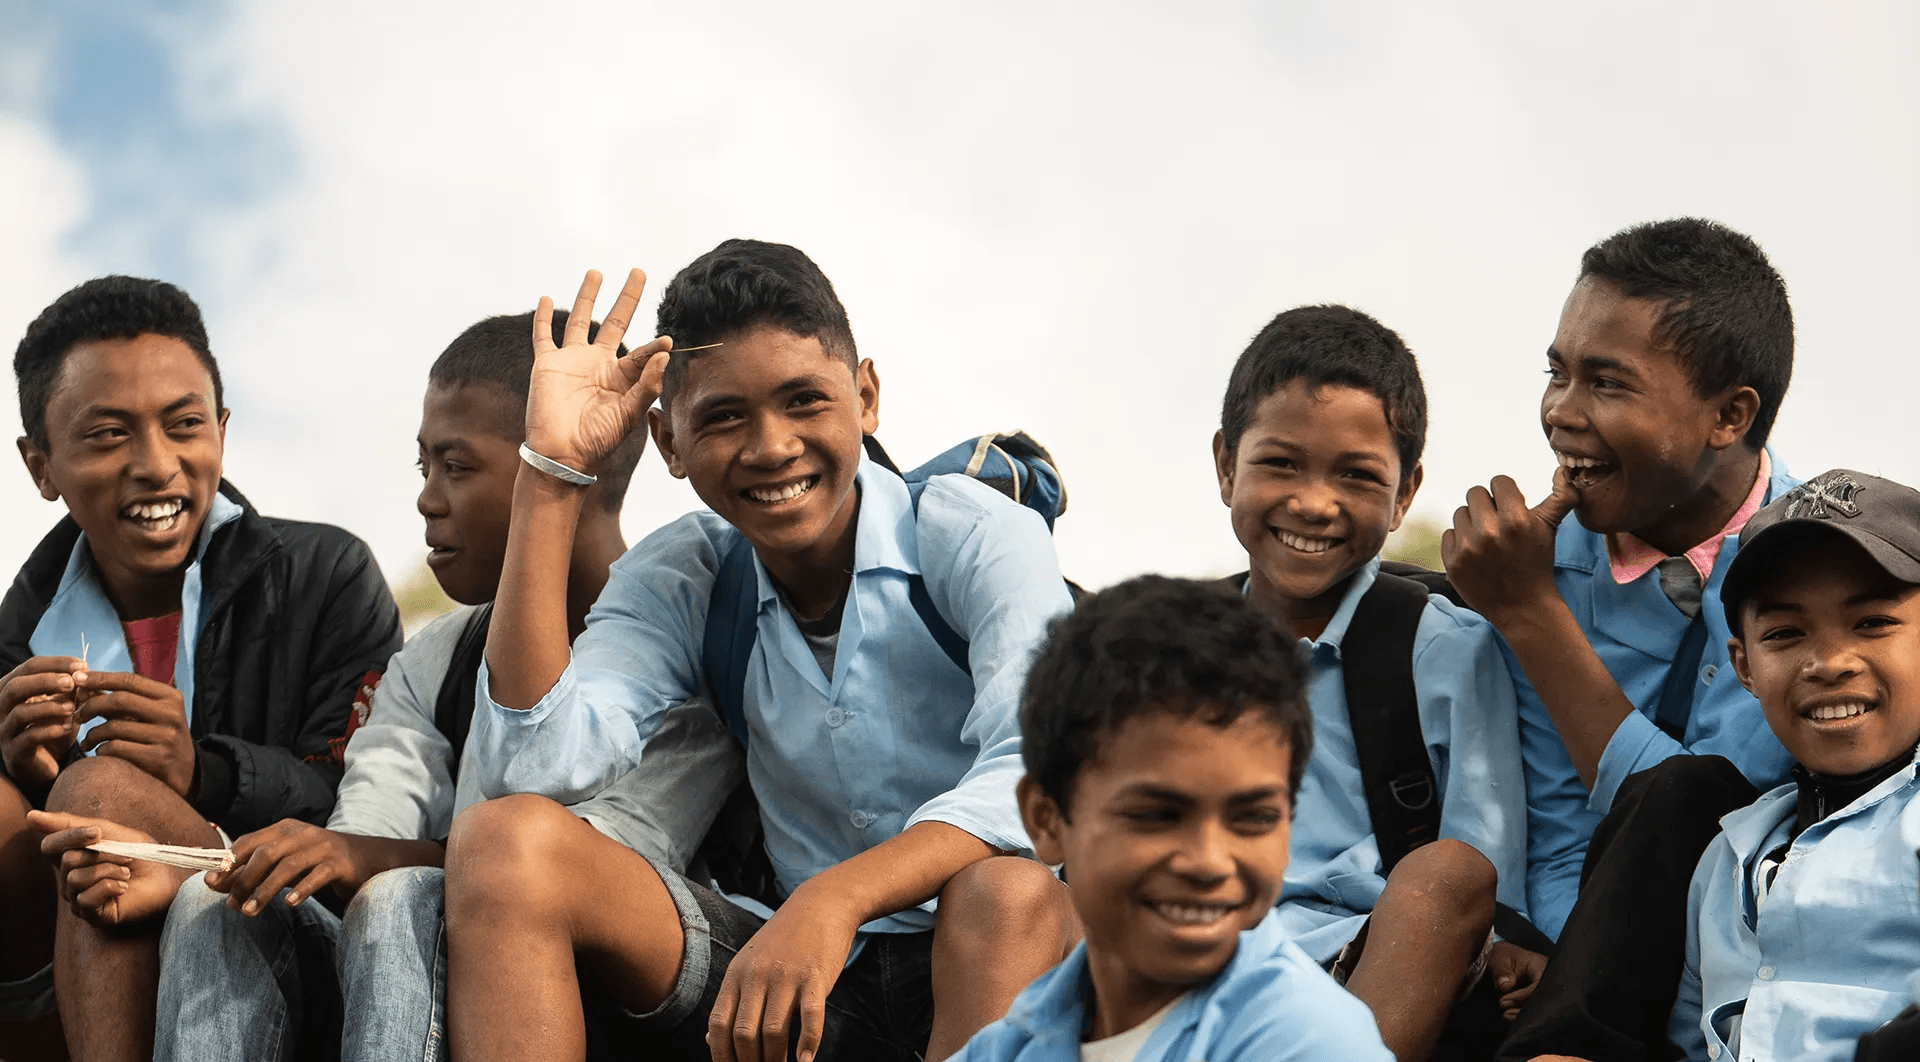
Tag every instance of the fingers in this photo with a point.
(1506, 495)
(38, 721)
(292, 868)
(543, 327)
(582, 315)
(1555, 507)
(126, 681)
(721, 1019)
(813, 1021)
(126, 732)
(614, 327)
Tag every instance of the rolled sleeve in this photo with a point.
(1636, 745)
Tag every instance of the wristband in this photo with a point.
(556, 469)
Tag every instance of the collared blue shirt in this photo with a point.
(1467, 717)
(1269, 1004)
(1828, 955)
(1636, 631)
(80, 609)
(897, 735)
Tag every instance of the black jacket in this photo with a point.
(296, 615)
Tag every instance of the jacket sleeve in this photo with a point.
(245, 786)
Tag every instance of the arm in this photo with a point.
(303, 858)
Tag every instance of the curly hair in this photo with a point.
(1155, 644)
(115, 307)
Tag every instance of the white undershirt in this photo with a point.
(1126, 1046)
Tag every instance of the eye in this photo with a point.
(806, 399)
(1556, 374)
(1877, 623)
(1276, 462)
(719, 417)
(1258, 820)
(109, 434)
(1157, 816)
(190, 422)
(1365, 475)
(455, 468)
(1780, 634)
(1607, 383)
(420, 465)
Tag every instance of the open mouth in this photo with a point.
(1583, 472)
(783, 493)
(155, 517)
(1306, 543)
(438, 554)
(1837, 712)
(1197, 915)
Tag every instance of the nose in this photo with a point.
(155, 460)
(1206, 854)
(1313, 501)
(1833, 659)
(771, 442)
(432, 501)
(1561, 409)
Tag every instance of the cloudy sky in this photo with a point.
(1063, 218)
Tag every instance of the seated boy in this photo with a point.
(1663, 381)
(1803, 919)
(884, 770)
(1160, 766)
(227, 989)
(1318, 457)
(179, 662)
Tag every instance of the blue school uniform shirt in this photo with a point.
(1636, 631)
(897, 735)
(1467, 716)
(80, 609)
(1804, 969)
(1270, 1003)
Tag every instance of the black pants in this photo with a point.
(1608, 994)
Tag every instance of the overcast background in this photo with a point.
(1063, 218)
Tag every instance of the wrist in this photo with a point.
(570, 470)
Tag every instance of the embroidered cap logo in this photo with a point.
(1824, 496)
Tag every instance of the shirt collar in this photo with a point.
(883, 535)
(1630, 557)
(80, 562)
(1357, 587)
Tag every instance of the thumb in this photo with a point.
(53, 821)
(1555, 507)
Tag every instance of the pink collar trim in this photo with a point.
(1631, 558)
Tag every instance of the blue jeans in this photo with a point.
(233, 987)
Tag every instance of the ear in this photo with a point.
(660, 426)
(1734, 418)
(224, 414)
(1737, 655)
(36, 460)
(866, 381)
(1043, 820)
(1223, 467)
(1403, 498)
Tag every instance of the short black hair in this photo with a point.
(1156, 644)
(742, 284)
(1725, 308)
(114, 307)
(498, 352)
(1330, 345)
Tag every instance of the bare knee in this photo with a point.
(1448, 876)
(98, 787)
(1006, 897)
(505, 852)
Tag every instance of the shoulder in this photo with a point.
(440, 636)
(33, 589)
(954, 508)
(1287, 993)
(696, 540)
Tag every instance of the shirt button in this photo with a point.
(1766, 973)
(860, 819)
(835, 717)
(1713, 1050)
(1707, 673)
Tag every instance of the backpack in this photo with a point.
(734, 852)
(453, 706)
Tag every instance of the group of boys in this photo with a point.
(838, 768)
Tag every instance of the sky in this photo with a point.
(1063, 218)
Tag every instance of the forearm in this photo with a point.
(1576, 689)
(527, 647)
(903, 872)
(377, 855)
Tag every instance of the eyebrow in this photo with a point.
(1862, 598)
(1268, 441)
(96, 410)
(1174, 796)
(444, 446)
(1595, 363)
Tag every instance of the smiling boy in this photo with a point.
(1160, 764)
(884, 770)
(1318, 458)
(224, 650)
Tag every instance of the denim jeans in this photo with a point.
(393, 964)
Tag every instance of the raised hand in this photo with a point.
(102, 889)
(584, 399)
(37, 701)
(1499, 552)
(146, 725)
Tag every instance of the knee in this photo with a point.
(505, 848)
(1449, 875)
(97, 787)
(199, 923)
(394, 903)
(1006, 897)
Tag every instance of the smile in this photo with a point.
(1306, 543)
(1831, 713)
(1193, 914)
(1583, 471)
(157, 516)
(781, 494)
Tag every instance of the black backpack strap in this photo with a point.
(1403, 796)
(1435, 582)
(949, 640)
(453, 706)
(733, 623)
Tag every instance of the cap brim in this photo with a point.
(1756, 553)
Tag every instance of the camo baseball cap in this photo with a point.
(1882, 516)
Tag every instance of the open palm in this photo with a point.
(584, 399)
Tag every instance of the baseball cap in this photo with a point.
(1882, 516)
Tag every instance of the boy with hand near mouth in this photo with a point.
(884, 770)
(225, 650)
(1161, 760)
(1318, 457)
(228, 989)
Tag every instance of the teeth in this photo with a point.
(1570, 461)
(1192, 914)
(1828, 712)
(789, 492)
(1307, 545)
(156, 511)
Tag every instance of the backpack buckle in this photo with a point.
(1412, 791)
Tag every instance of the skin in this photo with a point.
(1675, 469)
(1315, 467)
(776, 409)
(1829, 626)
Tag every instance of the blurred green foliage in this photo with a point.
(1417, 542)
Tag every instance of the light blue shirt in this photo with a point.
(80, 609)
(1803, 970)
(898, 735)
(1269, 1004)
(1636, 631)
(1467, 716)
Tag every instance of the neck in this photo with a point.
(816, 578)
(597, 543)
(1121, 999)
(138, 596)
(1307, 617)
(1705, 515)
(1821, 795)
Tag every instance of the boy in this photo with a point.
(884, 771)
(1663, 381)
(223, 649)
(1803, 924)
(226, 988)
(1160, 760)
(1318, 457)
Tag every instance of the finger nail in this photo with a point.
(251, 907)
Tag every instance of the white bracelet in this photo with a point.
(556, 469)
